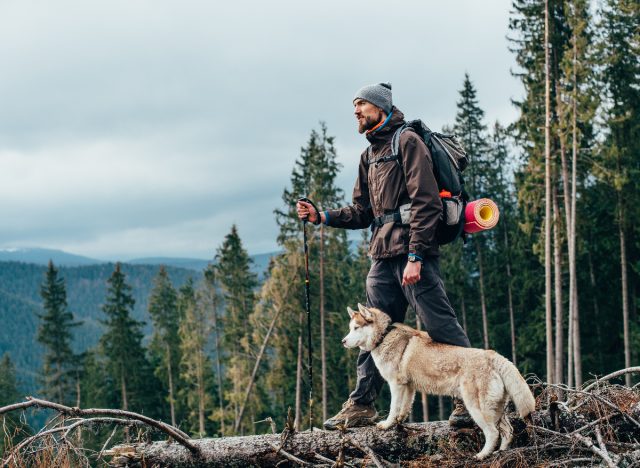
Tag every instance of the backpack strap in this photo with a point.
(394, 217)
(395, 148)
(395, 140)
(389, 157)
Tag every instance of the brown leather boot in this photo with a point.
(460, 417)
(352, 415)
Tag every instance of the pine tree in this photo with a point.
(618, 158)
(121, 345)
(211, 300)
(314, 176)
(195, 366)
(165, 343)
(237, 283)
(577, 102)
(60, 370)
(471, 130)
(540, 41)
(9, 392)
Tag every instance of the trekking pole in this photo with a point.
(308, 306)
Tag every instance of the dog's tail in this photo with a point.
(516, 386)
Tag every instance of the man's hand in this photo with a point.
(307, 212)
(411, 273)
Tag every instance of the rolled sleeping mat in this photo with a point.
(480, 215)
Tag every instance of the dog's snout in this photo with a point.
(344, 341)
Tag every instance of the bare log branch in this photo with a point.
(602, 454)
(288, 456)
(176, 434)
(613, 375)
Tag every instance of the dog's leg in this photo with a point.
(506, 431)
(397, 398)
(407, 402)
(485, 421)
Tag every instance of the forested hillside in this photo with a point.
(21, 304)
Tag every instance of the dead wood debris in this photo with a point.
(596, 426)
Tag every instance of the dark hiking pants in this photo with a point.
(427, 297)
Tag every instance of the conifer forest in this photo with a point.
(554, 287)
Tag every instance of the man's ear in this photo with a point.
(351, 312)
(366, 313)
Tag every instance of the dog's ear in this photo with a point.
(351, 312)
(366, 313)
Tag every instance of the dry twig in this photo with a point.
(179, 436)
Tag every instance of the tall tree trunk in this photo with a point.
(464, 311)
(483, 302)
(125, 401)
(573, 278)
(172, 404)
(557, 263)
(60, 380)
(547, 192)
(323, 355)
(201, 394)
(77, 389)
(298, 418)
(596, 311)
(559, 362)
(216, 338)
(625, 288)
(123, 390)
(512, 322)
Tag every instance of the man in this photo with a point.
(404, 266)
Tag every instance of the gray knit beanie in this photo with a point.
(377, 94)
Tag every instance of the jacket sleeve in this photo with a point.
(359, 214)
(422, 188)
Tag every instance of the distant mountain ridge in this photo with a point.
(41, 256)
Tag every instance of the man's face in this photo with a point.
(367, 114)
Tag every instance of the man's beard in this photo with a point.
(368, 124)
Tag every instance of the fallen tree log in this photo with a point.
(317, 447)
(410, 441)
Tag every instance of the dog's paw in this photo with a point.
(481, 456)
(384, 425)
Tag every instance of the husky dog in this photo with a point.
(410, 360)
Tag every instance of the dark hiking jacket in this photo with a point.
(381, 188)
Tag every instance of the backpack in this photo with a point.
(449, 160)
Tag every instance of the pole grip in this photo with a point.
(306, 200)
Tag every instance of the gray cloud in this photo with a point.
(148, 127)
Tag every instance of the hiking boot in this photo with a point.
(460, 417)
(352, 415)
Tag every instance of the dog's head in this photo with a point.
(366, 327)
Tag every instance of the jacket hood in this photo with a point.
(385, 132)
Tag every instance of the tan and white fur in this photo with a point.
(409, 360)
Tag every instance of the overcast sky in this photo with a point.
(133, 128)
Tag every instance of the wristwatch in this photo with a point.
(414, 258)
